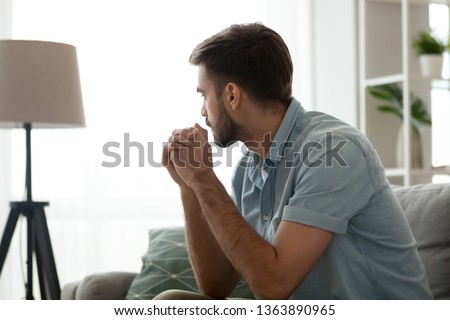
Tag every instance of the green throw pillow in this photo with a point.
(166, 266)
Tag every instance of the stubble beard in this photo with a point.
(226, 131)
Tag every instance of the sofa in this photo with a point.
(166, 265)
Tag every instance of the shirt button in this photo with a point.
(265, 217)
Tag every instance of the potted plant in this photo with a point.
(430, 50)
(392, 95)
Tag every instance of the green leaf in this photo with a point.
(391, 109)
(426, 42)
(419, 112)
(392, 95)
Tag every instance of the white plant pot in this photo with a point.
(431, 65)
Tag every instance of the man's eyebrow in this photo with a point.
(200, 90)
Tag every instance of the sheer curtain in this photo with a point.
(137, 87)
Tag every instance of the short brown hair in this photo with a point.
(253, 56)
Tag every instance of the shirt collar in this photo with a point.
(293, 112)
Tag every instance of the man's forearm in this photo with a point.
(214, 273)
(251, 255)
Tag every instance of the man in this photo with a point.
(311, 214)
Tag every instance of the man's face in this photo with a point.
(224, 128)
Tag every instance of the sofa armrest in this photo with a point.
(69, 290)
(99, 286)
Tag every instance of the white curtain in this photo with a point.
(137, 85)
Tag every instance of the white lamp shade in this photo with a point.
(39, 84)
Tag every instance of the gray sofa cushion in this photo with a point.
(103, 286)
(427, 208)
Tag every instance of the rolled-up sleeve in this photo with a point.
(332, 187)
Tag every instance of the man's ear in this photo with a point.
(233, 95)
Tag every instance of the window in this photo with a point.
(440, 98)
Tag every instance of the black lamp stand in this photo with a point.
(38, 238)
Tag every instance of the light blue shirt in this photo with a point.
(324, 173)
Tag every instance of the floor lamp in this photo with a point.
(39, 88)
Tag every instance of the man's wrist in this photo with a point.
(204, 182)
(184, 189)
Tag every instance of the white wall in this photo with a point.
(334, 58)
(325, 73)
(285, 17)
(5, 21)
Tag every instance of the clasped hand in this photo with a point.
(187, 155)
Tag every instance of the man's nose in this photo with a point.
(203, 111)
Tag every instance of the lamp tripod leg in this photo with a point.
(38, 242)
(7, 235)
(45, 256)
(44, 293)
(30, 249)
